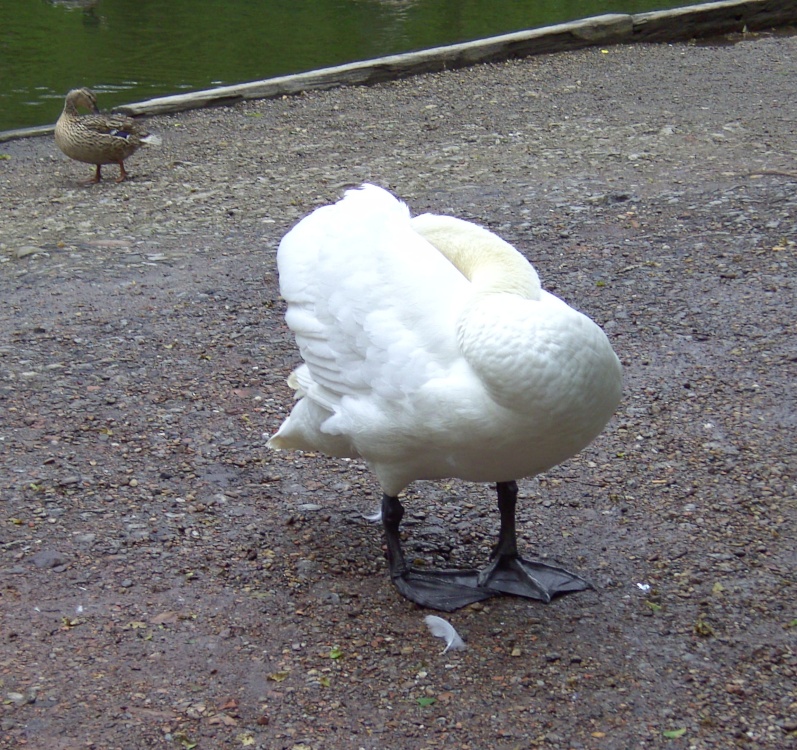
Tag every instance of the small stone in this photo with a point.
(25, 250)
(305, 567)
(49, 558)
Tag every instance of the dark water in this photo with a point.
(129, 50)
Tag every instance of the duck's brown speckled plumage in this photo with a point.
(98, 138)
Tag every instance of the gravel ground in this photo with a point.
(168, 582)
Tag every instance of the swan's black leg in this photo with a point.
(392, 513)
(447, 590)
(511, 574)
(507, 504)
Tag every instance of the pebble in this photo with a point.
(48, 558)
(25, 251)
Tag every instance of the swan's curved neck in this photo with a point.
(489, 263)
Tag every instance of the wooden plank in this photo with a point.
(713, 19)
(10, 135)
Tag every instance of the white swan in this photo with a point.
(431, 351)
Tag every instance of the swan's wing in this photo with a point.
(372, 304)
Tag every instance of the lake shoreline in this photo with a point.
(678, 24)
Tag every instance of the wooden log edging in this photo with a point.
(710, 19)
(10, 135)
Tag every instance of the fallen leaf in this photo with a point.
(703, 629)
(674, 734)
(182, 738)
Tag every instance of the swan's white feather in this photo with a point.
(337, 269)
(428, 369)
(441, 628)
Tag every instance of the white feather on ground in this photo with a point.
(441, 628)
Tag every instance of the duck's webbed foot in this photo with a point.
(96, 178)
(511, 574)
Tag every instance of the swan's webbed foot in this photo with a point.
(510, 574)
(446, 590)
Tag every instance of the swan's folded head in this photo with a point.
(487, 261)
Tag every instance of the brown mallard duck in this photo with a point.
(98, 138)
